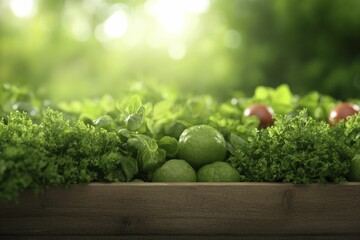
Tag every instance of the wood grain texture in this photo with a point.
(186, 209)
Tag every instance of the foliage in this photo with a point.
(43, 144)
(57, 152)
(296, 149)
(235, 45)
(309, 44)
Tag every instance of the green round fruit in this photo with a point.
(355, 169)
(175, 170)
(200, 145)
(218, 172)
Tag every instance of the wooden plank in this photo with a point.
(181, 237)
(246, 209)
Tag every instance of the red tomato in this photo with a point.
(342, 111)
(262, 112)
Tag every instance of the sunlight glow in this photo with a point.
(196, 6)
(23, 8)
(172, 15)
(116, 25)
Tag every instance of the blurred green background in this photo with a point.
(70, 49)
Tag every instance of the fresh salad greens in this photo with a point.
(296, 149)
(45, 144)
(56, 151)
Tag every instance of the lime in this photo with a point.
(200, 145)
(218, 172)
(175, 170)
(355, 169)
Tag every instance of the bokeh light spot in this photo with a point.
(172, 16)
(116, 25)
(23, 8)
(196, 6)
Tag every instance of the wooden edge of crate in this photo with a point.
(186, 209)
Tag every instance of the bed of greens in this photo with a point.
(154, 135)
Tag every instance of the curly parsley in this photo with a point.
(296, 149)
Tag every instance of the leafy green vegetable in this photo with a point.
(104, 122)
(57, 152)
(149, 155)
(170, 145)
(298, 149)
(319, 106)
(44, 144)
(280, 99)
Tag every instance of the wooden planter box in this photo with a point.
(186, 211)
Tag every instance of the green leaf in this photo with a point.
(236, 143)
(122, 106)
(149, 156)
(124, 133)
(162, 109)
(134, 105)
(282, 94)
(134, 121)
(175, 128)
(129, 166)
(310, 100)
(262, 93)
(152, 161)
(105, 122)
(170, 145)
(281, 99)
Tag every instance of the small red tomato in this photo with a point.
(342, 111)
(262, 112)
